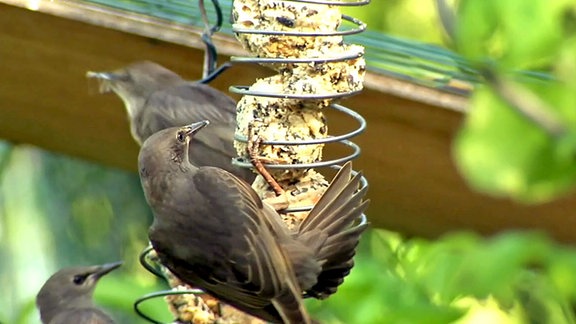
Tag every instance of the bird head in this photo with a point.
(171, 143)
(184, 136)
(135, 82)
(70, 288)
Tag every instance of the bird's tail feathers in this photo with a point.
(290, 307)
(334, 217)
(339, 246)
(340, 188)
(337, 260)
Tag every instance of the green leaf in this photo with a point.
(517, 33)
(501, 152)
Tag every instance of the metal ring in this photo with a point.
(361, 26)
(272, 60)
(335, 3)
(361, 128)
(157, 294)
(147, 265)
(245, 91)
(319, 164)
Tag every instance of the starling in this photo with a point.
(157, 98)
(66, 298)
(212, 231)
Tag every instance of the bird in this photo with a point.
(156, 98)
(213, 232)
(66, 297)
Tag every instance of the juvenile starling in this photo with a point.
(66, 298)
(213, 232)
(157, 98)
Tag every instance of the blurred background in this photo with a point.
(58, 211)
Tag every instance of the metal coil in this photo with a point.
(342, 139)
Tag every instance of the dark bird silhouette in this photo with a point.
(213, 231)
(156, 98)
(66, 297)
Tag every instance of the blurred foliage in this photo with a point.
(462, 278)
(519, 139)
(414, 19)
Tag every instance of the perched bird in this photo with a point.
(213, 232)
(157, 98)
(66, 298)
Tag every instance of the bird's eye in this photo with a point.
(79, 279)
(181, 136)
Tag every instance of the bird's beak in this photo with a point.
(105, 268)
(195, 127)
(106, 79)
(108, 76)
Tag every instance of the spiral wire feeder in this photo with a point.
(343, 139)
(146, 258)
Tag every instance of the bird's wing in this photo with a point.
(255, 255)
(235, 256)
(267, 268)
(200, 101)
(82, 315)
(188, 103)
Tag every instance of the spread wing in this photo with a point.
(241, 261)
(192, 102)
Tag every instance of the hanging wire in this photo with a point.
(211, 70)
